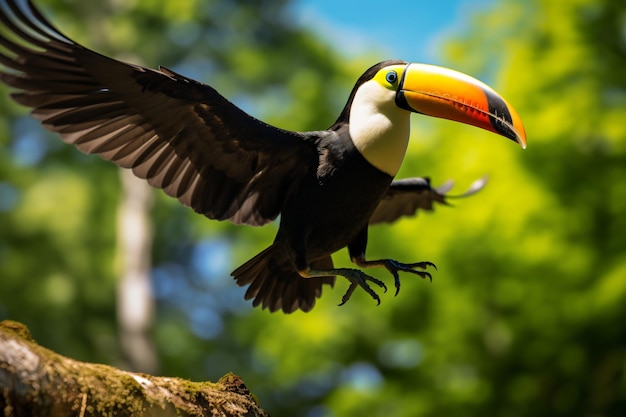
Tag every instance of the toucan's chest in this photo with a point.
(344, 174)
(336, 203)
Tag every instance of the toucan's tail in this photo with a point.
(275, 284)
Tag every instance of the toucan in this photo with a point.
(182, 136)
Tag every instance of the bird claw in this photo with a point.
(359, 279)
(394, 267)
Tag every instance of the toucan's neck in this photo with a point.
(378, 128)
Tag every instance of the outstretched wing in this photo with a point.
(404, 197)
(179, 134)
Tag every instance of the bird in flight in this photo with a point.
(182, 136)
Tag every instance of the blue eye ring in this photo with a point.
(391, 77)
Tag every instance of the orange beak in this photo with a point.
(448, 94)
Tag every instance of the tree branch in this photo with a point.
(35, 381)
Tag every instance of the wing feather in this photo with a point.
(178, 134)
(406, 196)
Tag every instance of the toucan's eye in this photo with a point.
(391, 77)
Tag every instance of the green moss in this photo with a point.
(18, 329)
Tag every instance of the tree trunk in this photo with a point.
(135, 303)
(35, 382)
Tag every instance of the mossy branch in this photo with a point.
(34, 382)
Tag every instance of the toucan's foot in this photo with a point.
(359, 279)
(394, 267)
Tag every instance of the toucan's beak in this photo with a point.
(441, 92)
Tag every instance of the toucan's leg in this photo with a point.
(357, 254)
(357, 279)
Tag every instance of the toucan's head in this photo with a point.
(390, 88)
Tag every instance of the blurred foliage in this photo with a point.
(526, 314)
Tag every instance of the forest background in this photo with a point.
(526, 313)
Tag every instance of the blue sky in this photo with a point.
(403, 29)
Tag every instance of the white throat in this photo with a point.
(379, 128)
